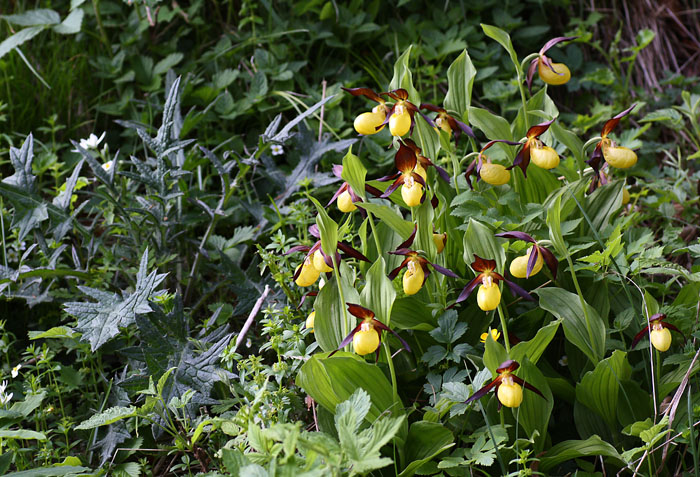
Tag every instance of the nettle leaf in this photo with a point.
(21, 160)
(99, 322)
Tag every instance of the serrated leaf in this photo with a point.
(109, 416)
(40, 16)
(99, 322)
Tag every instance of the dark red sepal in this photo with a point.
(349, 250)
(444, 271)
(516, 289)
(538, 129)
(534, 255)
(482, 264)
(346, 341)
(527, 386)
(483, 391)
(611, 123)
(378, 324)
(360, 311)
(554, 41)
(409, 241)
(522, 160)
(517, 235)
(405, 159)
(367, 92)
(397, 94)
(508, 365)
(550, 260)
(638, 337)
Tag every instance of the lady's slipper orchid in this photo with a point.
(345, 197)
(422, 162)
(489, 295)
(318, 260)
(660, 336)
(440, 240)
(400, 116)
(448, 123)
(549, 72)
(614, 155)
(495, 334)
(310, 321)
(535, 150)
(530, 264)
(411, 181)
(373, 121)
(366, 337)
(494, 174)
(509, 387)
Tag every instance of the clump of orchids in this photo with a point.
(658, 331)
(509, 387)
(399, 116)
(366, 337)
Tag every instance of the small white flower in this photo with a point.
(5, 398)
(92, 142)
(15, 370)
(3, 386)
(564, 361)
(107, 165)
(277, 150)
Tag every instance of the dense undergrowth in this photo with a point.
(231, 281)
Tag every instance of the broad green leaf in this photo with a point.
(30, 403)
(504, 39)
(568, 450)
(354, 173)
(389, 216)
(534, 411)
(22, 434)
(109, 416)
(424, 216)
(599, 388)
(603, 203)
(567, 307)
(535, 347)
(52, 472)
(652, 304)
(331, 381)
(328, 229)
(428, 140)
(167, 63)
(425, 441)
(330, 312)
(460, 80)
(493, 126)
(378, 294)
(554, 223)
(38, 17)
(410, 313)
(494, 354)
(19, 38)
(538, 185)
(55, 332)
(403, 78)
(71, 24)
(569, 139)
(480, 240)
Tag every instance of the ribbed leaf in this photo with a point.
(378, 294)
(479, 240)
(460, 80)
(592, 447)
(599, 389)
(425, 441)
(330, 312)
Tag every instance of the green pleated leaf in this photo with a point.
(70, 470)
(460, 81)
(535, 347)
(554, 223)
(389, 216)
(328, 229)
(493, 126)
(424, 216)
(426, 137)
(403, 78)
(354, 173)
(603, 204)
(425, 441)
(494, 354)
(331, 381)
(567, 307)
(378, 294)
(538, 185)
(599, 389)
(329, 327)
(503, 39)
(569, 139)
(534, 412)
(568, 450)
(410, 313)
(480, 240)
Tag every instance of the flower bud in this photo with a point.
(412, 192)
(367, 123)
(544, 156)
(310, 321)
(518, 267)
(550, 77)
(439, 240)
(510, 393)
(400, 121)
(344, 202)
(661, 338)
(366, 340)
(625, 196)
(413, 278)
(618, 156)
(320, 262)
(488, 297)
(309, 274)
(494, 174)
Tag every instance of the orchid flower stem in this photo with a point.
(502, 316)
(523, 98)
(336, 268)
(527, 59)
(390, 362)
(657, 355)
(455, 170)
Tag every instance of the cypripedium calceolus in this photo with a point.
(370, 122)
(400, 116)
(614, 155)
(316, 260)
(494, 174)
(489, 295)
(310, 321)
(345, 197)
(367, 336)
(660, 336)
(549, 72)
(531, 263)
(422, 162)
(536, 151)
(440, 240)
(509, 387)
(447, 122)
(410, 181)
